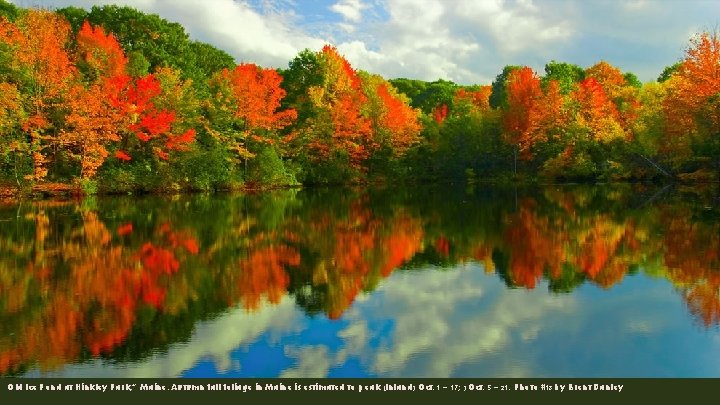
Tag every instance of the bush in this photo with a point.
(335, 170)
(267, 169)
(578, 166)
(88, 186)
(116, 179)
(204, 170)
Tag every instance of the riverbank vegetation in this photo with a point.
(113, 100)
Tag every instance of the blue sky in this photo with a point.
(467, 41)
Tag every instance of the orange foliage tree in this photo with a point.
(11, 114)
(99, 53)
(37, 42)
(246, 103)
(623, 96)
(595, 113)
(479, 99)
(531, 113)
(440, 113)
(339, 125)
(93, 121)
(692, 105)
(395, 124)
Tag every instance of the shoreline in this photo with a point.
(64, 191)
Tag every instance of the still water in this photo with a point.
(562, 281)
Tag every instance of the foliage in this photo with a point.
(8, 10)
(567, 75)
(111, 90)
(268, 169)
(668, 72)
(692, 101)
(498, 96)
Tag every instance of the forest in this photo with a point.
(113, 100)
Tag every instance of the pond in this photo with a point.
(443, 281)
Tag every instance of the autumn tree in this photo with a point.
(93, 121)
(400, 120)
(246, 114)
(179, 96)
(43, 72)
(149, 131)
(530, 113)
(11, 140)
(10, 107)
(498, 96)
(395, 124)
(99, 53)
(336, 135)
(523, 96)
(253, 96)
(595, 112)
(476, 98)
(622, 93)
(91, 125)
(440, 113)
(693, 105)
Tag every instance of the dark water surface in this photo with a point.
(571, 281)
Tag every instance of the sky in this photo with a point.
(466, 41)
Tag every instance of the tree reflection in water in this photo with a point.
(123, 278)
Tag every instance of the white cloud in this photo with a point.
(270, 39)
(464, 41)
(347, 28)
(636, 4)
(416, 42)
(240, 30)
(467, 41)
(312, 362)
(351, 10)
(515, 28)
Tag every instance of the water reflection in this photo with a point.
(120, 281)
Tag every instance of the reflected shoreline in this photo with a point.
(119, 279)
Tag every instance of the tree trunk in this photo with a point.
(658, 168)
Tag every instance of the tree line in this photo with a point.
(115, 100)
